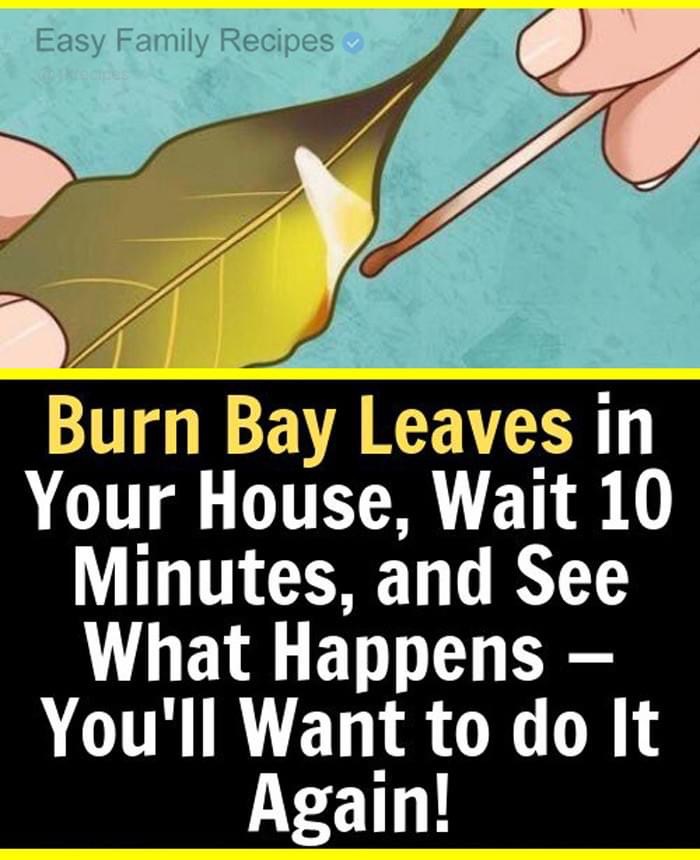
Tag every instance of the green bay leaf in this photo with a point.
(210, 255)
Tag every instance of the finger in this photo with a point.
(29, 335)
(574, 51)
(29, 177)
(652, 129)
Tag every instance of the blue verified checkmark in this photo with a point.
(353, 43)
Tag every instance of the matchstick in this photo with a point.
(483, 185)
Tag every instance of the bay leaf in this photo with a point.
(212, 254)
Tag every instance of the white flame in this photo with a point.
(344, 218)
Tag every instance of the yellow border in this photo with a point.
(356, 374)
(406, 374)
(345, 374)
(360, 853)
(362, 374)
(322, 4)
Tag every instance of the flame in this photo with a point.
(344, 218)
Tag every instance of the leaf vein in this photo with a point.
(124, 281)
(220, 320)
(226, 194)
(173, 328)
(176, 239)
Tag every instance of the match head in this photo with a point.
(377, 260)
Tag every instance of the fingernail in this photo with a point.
(29, 336)
(651, 184)
(551, 41)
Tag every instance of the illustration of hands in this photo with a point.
(29, 177)
(654, 127)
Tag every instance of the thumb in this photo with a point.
(29, 177)
(573, 51)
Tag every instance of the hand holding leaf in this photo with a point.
(29, 177)
(225, 249)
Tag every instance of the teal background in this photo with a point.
(565, 266)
